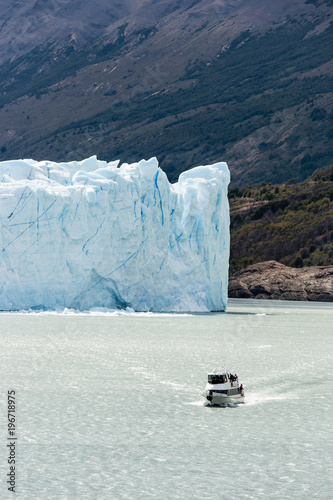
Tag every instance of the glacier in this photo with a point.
(91, 233)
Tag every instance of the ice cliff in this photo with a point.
(89, 234)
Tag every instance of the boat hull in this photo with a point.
(214, 398)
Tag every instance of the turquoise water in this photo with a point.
(109, 405)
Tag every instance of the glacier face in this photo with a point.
(89, 234)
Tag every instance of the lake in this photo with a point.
(108, 405)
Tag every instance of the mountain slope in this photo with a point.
(190, 82)
(27, 24)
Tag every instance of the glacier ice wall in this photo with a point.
(89, 234)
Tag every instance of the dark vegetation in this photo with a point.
(45, 66)
(291, 223)
(242, 91)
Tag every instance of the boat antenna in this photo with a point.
(224, 364)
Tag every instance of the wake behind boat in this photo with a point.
(223, 387)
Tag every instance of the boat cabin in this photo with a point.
(221, 376)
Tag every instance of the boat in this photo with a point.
(223, 388)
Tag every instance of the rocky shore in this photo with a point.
(272, 280)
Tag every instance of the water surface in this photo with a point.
(109, 405)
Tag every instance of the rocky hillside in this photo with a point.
(289, 223)
(191, 81)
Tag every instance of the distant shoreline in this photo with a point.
(274, 281)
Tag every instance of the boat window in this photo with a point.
(217, 379)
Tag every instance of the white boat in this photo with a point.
(223, 387)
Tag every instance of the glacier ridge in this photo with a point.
(90, 234)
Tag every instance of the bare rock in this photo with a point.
(272, 280)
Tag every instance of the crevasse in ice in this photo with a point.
(89, 234)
